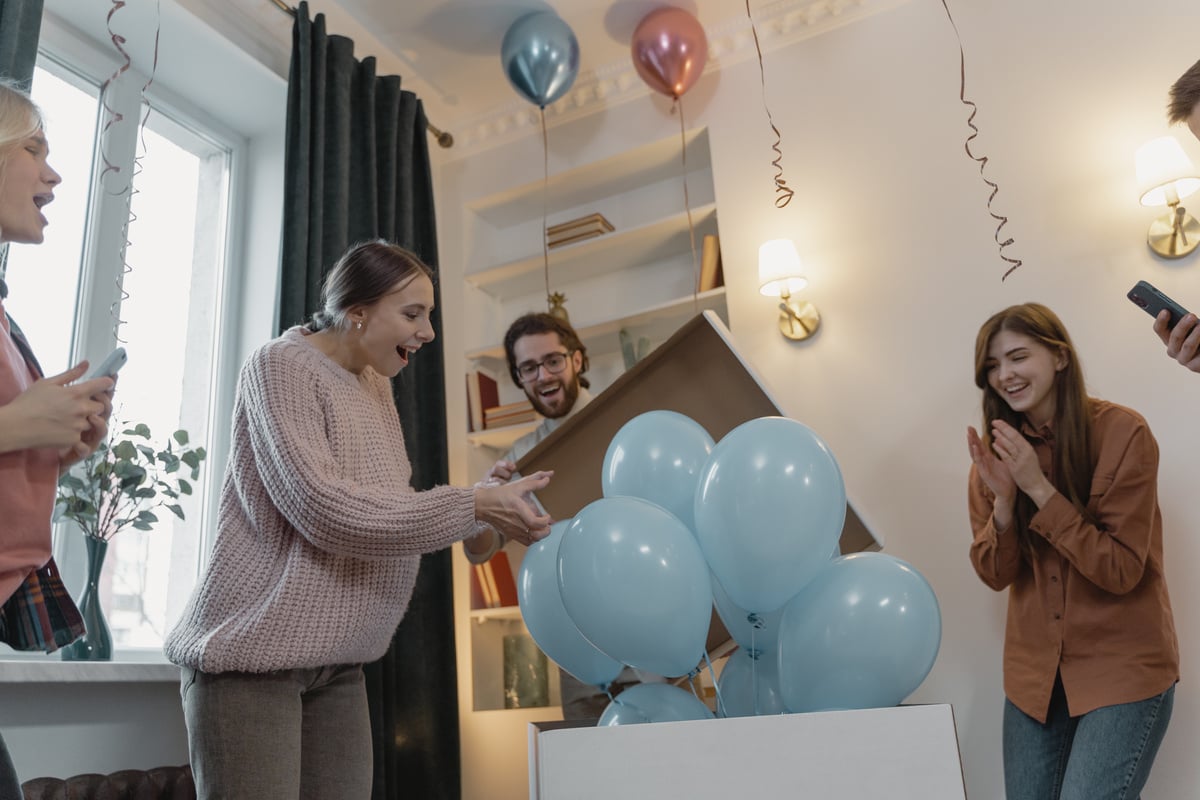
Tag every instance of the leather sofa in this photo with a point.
(160, 783)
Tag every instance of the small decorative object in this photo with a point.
(632, 352)
(120, 485)
(557, 309)
(526, 677)
(576, 230)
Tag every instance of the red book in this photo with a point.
(482, 394)
(506, 583)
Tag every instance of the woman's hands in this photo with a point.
(509, 508)
(54, 413)
(1011, 465)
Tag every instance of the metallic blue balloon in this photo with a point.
(540, 56)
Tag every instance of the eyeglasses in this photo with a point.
(553, 363)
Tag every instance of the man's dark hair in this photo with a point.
(1184, 95)
(535, 323)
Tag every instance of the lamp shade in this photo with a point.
(779, 268)
(1164, 172)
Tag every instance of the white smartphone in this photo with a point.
(109, 367)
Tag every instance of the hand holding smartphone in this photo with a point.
(109, 367)
(1153, 302)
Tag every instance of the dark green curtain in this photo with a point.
(357, 168)
(20, 27)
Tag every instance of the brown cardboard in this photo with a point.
(697, 372)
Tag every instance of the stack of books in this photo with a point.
(493, 584)
(509, 414)
(576, 230)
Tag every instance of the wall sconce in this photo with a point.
(779, 276)
(1165, 176)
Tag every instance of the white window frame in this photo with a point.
(102, 263)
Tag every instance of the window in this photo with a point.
(161, 301)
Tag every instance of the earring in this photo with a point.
(358, 325)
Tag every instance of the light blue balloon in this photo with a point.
(769, 510)
(749, 686)
(653, 702)
(863, 634)
(658, 456)
(547, 619)
(540, 56)
(635, 583)
(752, 631)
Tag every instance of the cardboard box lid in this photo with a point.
(698, 372)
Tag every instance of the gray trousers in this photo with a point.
(301, 734)
(10, 787)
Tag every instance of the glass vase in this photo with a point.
(96, 643)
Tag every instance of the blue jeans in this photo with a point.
(297, 733)
(1105, 754)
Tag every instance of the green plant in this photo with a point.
(126, 480)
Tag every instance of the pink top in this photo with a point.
(28, 480)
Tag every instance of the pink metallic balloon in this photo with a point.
(669, 50)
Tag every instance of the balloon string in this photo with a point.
(687, 206)
(545, 189)
(721, 712)
(783, 192)
(983, 160)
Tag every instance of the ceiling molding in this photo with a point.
(779, 25)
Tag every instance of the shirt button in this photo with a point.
(1054, 579)
(1058, 616)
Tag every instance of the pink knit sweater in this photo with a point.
(319, 534)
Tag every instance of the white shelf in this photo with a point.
(610, 177)
(645, 244)
(657, 323)
(503, 613)
(501, 438)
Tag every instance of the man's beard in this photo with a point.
(570, 395)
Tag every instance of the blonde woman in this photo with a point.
(46, 424)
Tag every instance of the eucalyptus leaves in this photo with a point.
(126, 480)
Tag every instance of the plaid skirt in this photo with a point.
(41, 614)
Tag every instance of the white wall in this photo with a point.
(890, 218)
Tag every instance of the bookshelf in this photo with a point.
(640, 278)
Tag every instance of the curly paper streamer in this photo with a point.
(983, 160)
(783, 192)
(113, 118)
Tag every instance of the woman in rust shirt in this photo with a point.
(1064, 509)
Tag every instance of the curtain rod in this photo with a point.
(444, 138)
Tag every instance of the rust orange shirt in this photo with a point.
(28, 481)
(1092, 602)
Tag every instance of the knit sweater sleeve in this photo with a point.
(361, 506)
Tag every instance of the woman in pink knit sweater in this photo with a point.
(319, 536)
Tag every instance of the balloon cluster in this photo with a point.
(540, 54)
(751, 525)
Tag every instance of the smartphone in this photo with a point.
(109, 367)
(1154, 301)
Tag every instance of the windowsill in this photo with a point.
(46, 671)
